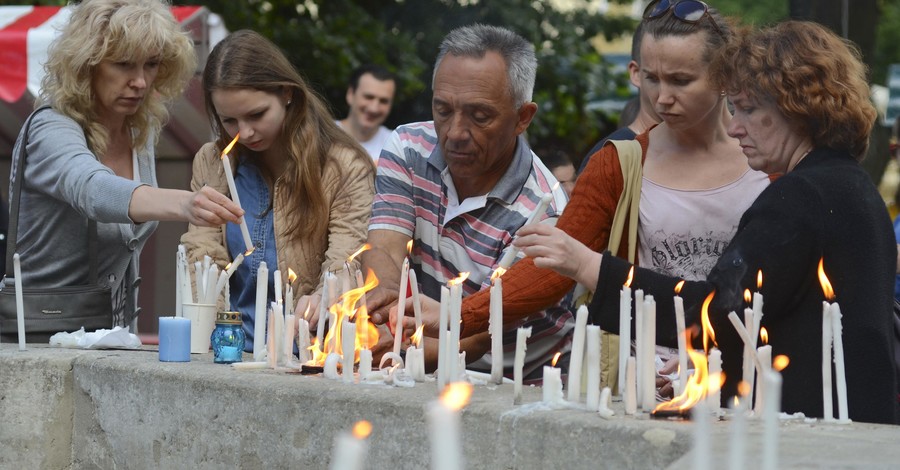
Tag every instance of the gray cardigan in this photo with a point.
(64, 184)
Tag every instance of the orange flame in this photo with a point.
(743, 389)
(456, 395)
(227, 267)
(630, 277)
(708, 332)
(823, 279)
(409, 246)
(458, 280)
(748, 297)
(678, 286)
(780, 362)
(306, 313)
(356, 253)
(249, 251)
(696, 387)
(555, 358)
(759, 279)
(764, 335)
(292, 276)
(416, 338)
(343, 308)
(362, 429)
(500, 271)
(229, 147)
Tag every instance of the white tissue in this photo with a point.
(116, 338)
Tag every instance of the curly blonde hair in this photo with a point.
(117, 30)
(814, 77)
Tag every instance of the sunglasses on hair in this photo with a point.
(687, 11)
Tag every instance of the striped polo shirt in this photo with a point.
(415, 195)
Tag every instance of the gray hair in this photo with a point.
(476, 40)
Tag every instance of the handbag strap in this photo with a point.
(15, 196)
(630, 159)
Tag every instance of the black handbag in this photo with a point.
(49, 310)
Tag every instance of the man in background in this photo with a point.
(370, 94)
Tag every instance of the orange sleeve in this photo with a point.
(587, 218)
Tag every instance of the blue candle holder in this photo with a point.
(228, 338)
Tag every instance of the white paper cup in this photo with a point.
(203, 321)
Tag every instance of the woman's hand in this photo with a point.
(551, 248)
(210, 208)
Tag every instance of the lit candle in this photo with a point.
(512, 252)
(840, 374)
(444, 423)
(219, 287)
(552, 386)
(334, 291)
(624, 330)
(638, 339)
(682, 339)
(772, 381)
(522, 335)
(715, 374)
(350, 448)
(323, 311)
(303, 352)
(443, 337)
(648, 371)
(259, 319)
(401, 305)
(415, 357)
(496, 329)
(630, 397)
(576, 356)
(455, 314)
(20, 301)
(736, 453)
(348, 349)
(827, 405)
(289, 292)
(764, 354)
(229, 176)
(362, 320)
(417, 302)
(702, 451)
(365, 363)
(748, 369)
(593, 399)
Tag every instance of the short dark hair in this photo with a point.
(553, 157)
(380, 73)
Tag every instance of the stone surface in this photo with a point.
(73, 409)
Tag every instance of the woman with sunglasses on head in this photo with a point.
(306, 185)
(802, 111)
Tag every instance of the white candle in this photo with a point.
(288, 299)
(638, 339)
(401, 305)
(259, 319)
(329, 370)
(348, 348)
(682, 346)
(576, 356)
(714, 393)
(512, 252)
(443, 337)
(365, 363)
(772, 381)
(603, 408)
(736, 453)
(455, 315)
(334, 292)
(362, 321)
(593, 399)
(198, 280)
(522, 335)
(827, 405)
(219, 287)
(415, 363)
(417, 302)
(276, 336)
(745, 336)
(304, 354)
(324, 303)
(288, 338)
(350, 448)
(702, 449)
(229, 176)
(624, 335)
(764, 355)
(20, 301)
(748, 369)
(444, 423)
(840, 374)
(630, 397)
(648, 371)
(278, 294)
(179, 281)
(552, 387)
(496, 330)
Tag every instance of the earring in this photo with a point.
(722, 94)
(288, 103)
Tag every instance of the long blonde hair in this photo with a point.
(247, 60)
(117, 30)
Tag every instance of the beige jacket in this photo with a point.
(349, 186)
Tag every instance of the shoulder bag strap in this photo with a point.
(12, 234)
(630, 159)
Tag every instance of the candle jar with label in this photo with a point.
(228, 338)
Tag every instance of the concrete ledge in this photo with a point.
(124, 409)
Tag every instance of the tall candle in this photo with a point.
(638, 339)
(401, 305)
(259, 319)
(417, 302)
(232, 188)
(648, 371)
(198, 280)
(630, 397)
(334, 292)
(496, 329)
(220, 286)
(764, 354)
(324, 303)
(444, 423)
(348, 348)
(350, 448)
(304, 354)
(702, 450)
(455, 316)
(278, 294)
(522, 335)
(576, 357)
(682, 340)
(179, 281)
(289, 336)
(772, 381)
(715, 372)
(20, 301)
(840, 374)
(276, 336)
(443, 338)
(593, 366)
(624, 334)
(827, 338)
(736, 453)
(362, 320)
(749, 347)
(512, 252)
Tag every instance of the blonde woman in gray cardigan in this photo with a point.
(306, 185)
(109, 76)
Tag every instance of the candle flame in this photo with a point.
(356, 253)
(344, 308)
(743, 389)
(458, 280)
(500, 271)
(456, 395)
(764, 335)
(555, 358)
(292, 276)
(409, 246)
(416, 338)
(555, 187)
(708, 332)
(306, 313)
(250, 251)
(780, 362)
(748, 297)
(759, 279)
(823, 279)
(228, 148)
(227, 267)
(678, 286)
(696, 387)
(362, 429)
(630, 277)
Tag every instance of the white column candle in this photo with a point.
(259, 319)
(840, 374)
(324, 303)
(552, 387)
(304, 354)
(198, 280)
(772, 381)
(444, 427)
(682, 346)
(289, 336)
(350, 448)
(401, 305)
(415, 363)
(278, 294)
(512, 252)
(179, 281)
(454, 314)
(496, 330)
(288, 299)
(593, 367)
(576, 356)
(736, 453)
(603, 407)
(714, 392)
(702, 450)
(764, 355)
(348, 349)
(630, 397)
(220, 286)
(362, 320)
(827, 338)
(624, 335)
(638, 340)
(276, 336)
(522, 335)
(748, 366)
(334, 290)
(417, 302)
(365, 363)
(443, 338)
(20, 301)
(232, 188)
(648, 371)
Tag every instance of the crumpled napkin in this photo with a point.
(116, 338)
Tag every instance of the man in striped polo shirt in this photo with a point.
(461, 186)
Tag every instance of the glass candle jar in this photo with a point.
(228, 338)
